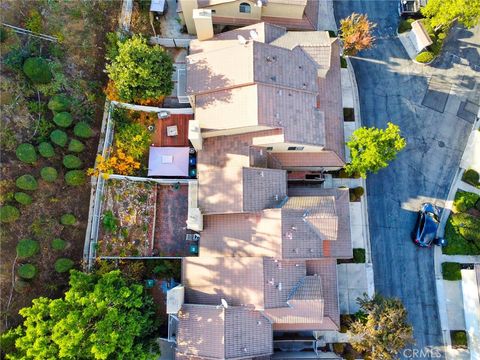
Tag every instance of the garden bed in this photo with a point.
(128, 218)
(27, 119)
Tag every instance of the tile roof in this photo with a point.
(215, 332)
(326, 269)
(342, 246)
(308, 160)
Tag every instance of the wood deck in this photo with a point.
(160, 137)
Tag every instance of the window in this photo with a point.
(245, 8)
(269, 148)
(298, 148)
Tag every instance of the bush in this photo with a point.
(26, 152)
(464, 200)
(359, 256)
(26, 182)
(59, 103)
(141, 71)
(83, 130)
(338, 348)
(27, 248)
(343, 62)
(424, 57)
(49, 174)
(459, 339)
(134, 138)
(58, 244)
(3, 34)
(46, 150)
(356, 193)
(68, 219)
(468, 226)
(63, 265)
(8, 213)
(471, 177)
(63, 119)
(76, 146)
(72, 162)
(23, 198)
(457, 244)
(451, 271)
(59, 137)
(27, 271)
(405, 25)
(75, 177)
(37, 70)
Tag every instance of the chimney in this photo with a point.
(203, 23)
(187, 9)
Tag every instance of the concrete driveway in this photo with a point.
(392, 88)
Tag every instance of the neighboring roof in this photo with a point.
(240, 189)
(421, 35)
(320, 159)
(168, 161)
(266, 33)
(206, 3)
(342, 246)
(239, 281)
(219, 333)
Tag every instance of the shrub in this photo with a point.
(8, 213)
(343, 62)
(134, 139)
(63, 119)
(356, 193)
(338, 348)
(3, 34)
(459, 339)
(359, 256)
(83, 130)
(110, 222)
(68, 219)
(34, 21)
(63, 265)
(424, 57)
(37, 70)
(141, 71)
(46, 150)
(58, 244)
(27, 271)
(76, 146)
(49, 174)
(471, 177)
(23, 198)
(405, 25)
(72, 162)
(464, 200)
(44, 129)
(26, 182)
(26, 152)
(75, 177)
(59, 103)
(468, 226)
(451, 271)
(59, 137)
(27, 248)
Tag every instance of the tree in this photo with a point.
(441, 13)
(100, 317)
(141, 71)
(356, 33)
(371, 149)
(382, 330)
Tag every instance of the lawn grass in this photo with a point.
(464, 201)
(457, 245)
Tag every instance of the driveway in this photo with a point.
(392, 88)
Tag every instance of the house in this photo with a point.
(285, 82)
(266, 267)
(293, 14)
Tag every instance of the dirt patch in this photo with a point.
(77, 63)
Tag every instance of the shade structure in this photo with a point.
(168, 161)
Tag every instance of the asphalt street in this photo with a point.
(391, 88)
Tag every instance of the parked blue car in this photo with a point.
(425, 231)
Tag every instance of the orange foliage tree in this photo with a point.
(119, 163)
(356, 33)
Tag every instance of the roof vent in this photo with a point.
(245, 349)
(289, 235)
(242, 40)
(273, 78)
(311, 250)
(271, 282)
(262, 174)
(269, 59)
(300, 67)
(304, 85)
(276, 197)
(297, 265)
(295, 250)
(259, 322)
(293, 228)
(279, 286)
(253, 33)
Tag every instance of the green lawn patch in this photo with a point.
(464, 201)
(451, 271)
(27, 248)
(457, 244)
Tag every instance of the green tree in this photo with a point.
(100, 317)
(356, 33)
(383, 329)
(371, 149)
(441, 13)
(141, 71)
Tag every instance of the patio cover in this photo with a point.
(168, 161)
